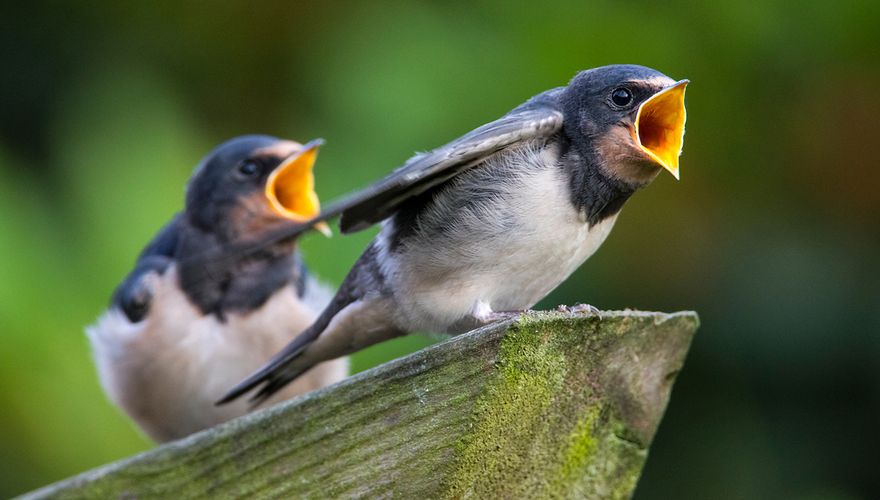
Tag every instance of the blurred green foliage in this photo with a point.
(772, 233)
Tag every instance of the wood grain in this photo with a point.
(549, 404)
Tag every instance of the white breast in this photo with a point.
(507, 252)
(167, 371)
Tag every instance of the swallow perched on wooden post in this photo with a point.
(493, 221)
(193, 317)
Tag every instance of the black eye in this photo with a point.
(249, 168)
(621, 97)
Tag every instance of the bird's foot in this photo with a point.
(579, 309)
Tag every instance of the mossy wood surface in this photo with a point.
(550, 404)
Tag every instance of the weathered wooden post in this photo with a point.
(548, 405)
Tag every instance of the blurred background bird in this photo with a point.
(105, 106)
(195, 315)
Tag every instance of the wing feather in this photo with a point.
(427, 170)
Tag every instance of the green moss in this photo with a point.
(531, 370)
(582, 444)
(539, 429)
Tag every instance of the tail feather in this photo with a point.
(271, 373)
(279, 371)
(275, 383)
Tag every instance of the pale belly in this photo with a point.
(525, 275)
(167, 371)
(507, 255)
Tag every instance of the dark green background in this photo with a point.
(772, 233)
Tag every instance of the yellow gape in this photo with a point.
(290, 188)
(660, 126)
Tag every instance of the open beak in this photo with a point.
(660, 126)
(290, 188)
